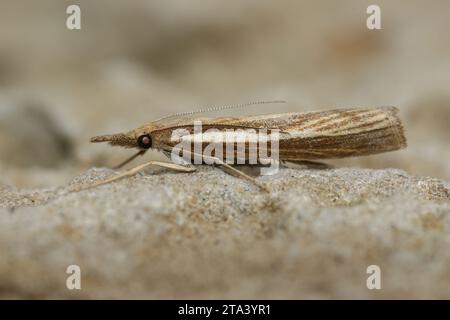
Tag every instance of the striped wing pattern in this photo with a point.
(322, 134)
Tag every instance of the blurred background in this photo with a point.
(135, 61)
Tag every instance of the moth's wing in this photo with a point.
(342, 133)
(320, 134)
(268, 121)
(163, 129)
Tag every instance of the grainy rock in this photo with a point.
(211, 235)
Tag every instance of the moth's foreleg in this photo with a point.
(133, 171)
(140, 153)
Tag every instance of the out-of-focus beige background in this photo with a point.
(134, 61)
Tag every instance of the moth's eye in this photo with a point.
(145, 141)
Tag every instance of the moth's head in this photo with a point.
(139, 138)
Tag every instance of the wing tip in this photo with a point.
(397, 127)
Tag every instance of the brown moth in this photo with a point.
(303, 136)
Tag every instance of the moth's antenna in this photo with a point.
(218, 108)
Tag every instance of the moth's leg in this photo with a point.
(140, 153)
(253, 170)
(181, 161)
(239, 173)
(138, 168)
(218, 161)
(307, 163)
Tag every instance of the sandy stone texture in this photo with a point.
(212, 235)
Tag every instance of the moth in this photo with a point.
(303, 136)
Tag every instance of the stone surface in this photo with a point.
(211, 235)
